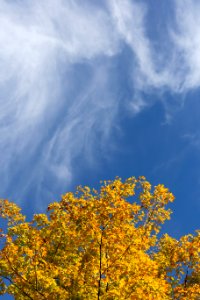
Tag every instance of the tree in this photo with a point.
(99, 245)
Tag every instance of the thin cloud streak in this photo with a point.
(129, 18)
(186, 38)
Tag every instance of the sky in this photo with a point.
(91, 90)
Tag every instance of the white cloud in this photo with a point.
(182, 72)
(176, 67)
(49, 113)
(129, 18)
(186, 37)
(41, 43)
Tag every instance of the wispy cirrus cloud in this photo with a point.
(174, 68)
(58, 89)
(186, 38)
(129, 19)
(183, 35)
(41, 43)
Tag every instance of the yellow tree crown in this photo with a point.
(99, 245)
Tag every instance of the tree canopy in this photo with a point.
(99, 245)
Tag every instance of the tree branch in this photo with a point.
(100, 265)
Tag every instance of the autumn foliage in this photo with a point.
(99, 245)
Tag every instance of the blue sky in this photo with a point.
(90, 90)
